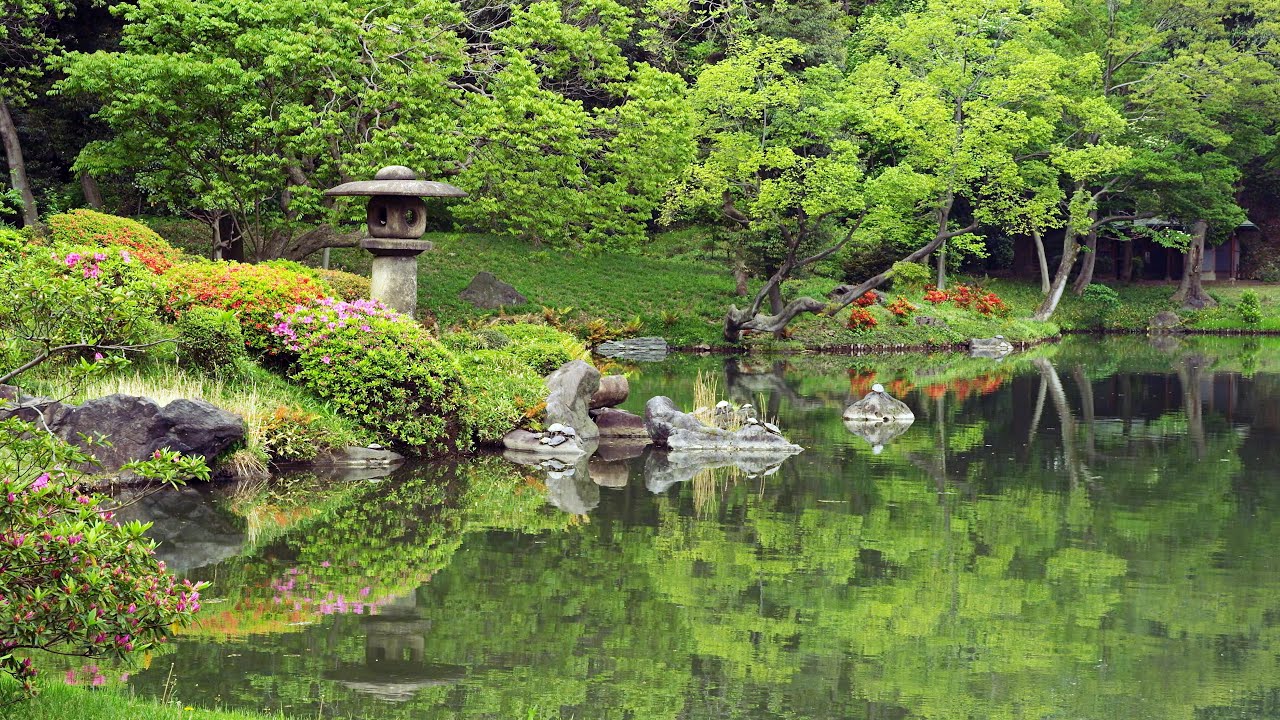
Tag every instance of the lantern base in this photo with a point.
(395, 271)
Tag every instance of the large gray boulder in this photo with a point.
(669, 427)
(641, 349)
(569, 397)
(488, 292)
(879, 406)
(135, 426)
(1165, 321)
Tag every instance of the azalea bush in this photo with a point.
(378, 367)
(901, 308)
(108, 232)
(210, 340)
(73, 580)
(345, 285)
(501, 391)
(255, 292)
(861, 320)
(68, 303)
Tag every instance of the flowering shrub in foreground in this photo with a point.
(378, 367)
(72, 579)
(255, 292)
(901, 308)
(861, 320)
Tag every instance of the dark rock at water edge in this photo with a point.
(620, 424)
(641, 349)
(488, 292)
(135, 426)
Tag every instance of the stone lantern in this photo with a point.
(397, 218)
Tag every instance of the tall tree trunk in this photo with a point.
(17, 165)
(1086, 266)
(776, 306)
(740, 275)
(1190, 292)
(942, 266)
(1126, 264)
(1070, 248)
(1044, 262)
(92, 193)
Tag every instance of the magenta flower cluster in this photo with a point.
(308, 326)
(90, 267)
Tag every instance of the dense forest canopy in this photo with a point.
(804, 134)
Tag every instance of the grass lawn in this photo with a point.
(62, 702)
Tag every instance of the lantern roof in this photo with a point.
(397, 180)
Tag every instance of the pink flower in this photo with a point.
(71, 259)
(326, 359)
(71, 677)
(92, 271)
(99, 257)
(97, 680)
(40, 482)
(124, 255)
(97, 356)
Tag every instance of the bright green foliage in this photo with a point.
(379, 368)
(75, 581)
(25, 43)
(1250, 307)
(910, 276)
(99, 230)
(1100, 302)
(541, 346)
(258, 293)
(63, 301)
(210, 340)
(501, 392)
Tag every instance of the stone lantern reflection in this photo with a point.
(397, 218)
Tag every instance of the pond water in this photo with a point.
(1087, 530)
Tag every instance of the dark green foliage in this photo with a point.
(1100, 301)
(210, 340)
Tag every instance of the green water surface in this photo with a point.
(1087, 530)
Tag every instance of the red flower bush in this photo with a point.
(963, 296)
(991, 304)
(99, 230)
(255, 292)
(901, 307)
(868, 299)
(861, 320)
(936, 296)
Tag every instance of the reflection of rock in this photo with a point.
(487, 291)
(642, 349)
(614, 450)
(878, 434)
(613, 391)
(665, 468)
(351, 463)
(995, 348)
(745, 384)
(879, 406)
(190, 531)
(569, 397)
(617, 424)
(609, 474)
(671, 428)
(568, 480)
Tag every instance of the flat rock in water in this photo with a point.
(671, 428)
(530, 443)
(360, 457)
(878, 406)
(994, 348)
(488, 292)
(641, 349)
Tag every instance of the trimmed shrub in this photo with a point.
(1100, 301)
(542, 346)
(99, 230)
(379, 368)
(501, 391)
(344, 285)
(1250, 307)
(909, 276)
(257, 293)
(210, 340)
